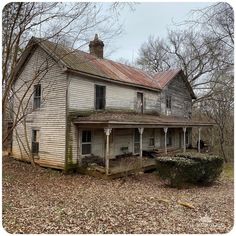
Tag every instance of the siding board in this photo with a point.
(118, 97)
(50, 118)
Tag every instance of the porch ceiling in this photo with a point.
(133, 120)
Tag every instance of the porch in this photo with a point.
(132, 136)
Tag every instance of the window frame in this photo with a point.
(86, 143)
(142, 102)
(187, 109)
(103, 99)
(37, 105)
(33, 142)
(152, 137)
(168, 101)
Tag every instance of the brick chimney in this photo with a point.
(96, 47)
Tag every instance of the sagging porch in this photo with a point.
(123, 145)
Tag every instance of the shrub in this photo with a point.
(189, 168)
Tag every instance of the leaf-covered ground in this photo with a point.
(42, 200)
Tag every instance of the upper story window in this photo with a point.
(100, 97)
(139, 102)
(35, 142)
(168, 101)
(37, 96)
(187, 109)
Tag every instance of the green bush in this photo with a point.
(189, 168)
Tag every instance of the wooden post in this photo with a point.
(184, 129)
(141, 141)
(199, 138)
(79, 160)
(165, 130)
(141, 144)
(107, 132)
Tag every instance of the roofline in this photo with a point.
(160, 124)
(112, 80)
(186, 82)
(32, 45)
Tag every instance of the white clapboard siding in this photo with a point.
(98, 142)
(179, 95)
(50, 118)
(118, 97)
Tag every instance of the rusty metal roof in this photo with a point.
(165, 77)
(139, 119)
(81, 62)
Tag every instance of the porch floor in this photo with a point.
(128, 165)
(132, 164)
(123, 167)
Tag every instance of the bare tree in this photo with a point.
(219, 108)
(71, 24)
(201, 51)
(203, 47)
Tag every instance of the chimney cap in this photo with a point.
(96, 41)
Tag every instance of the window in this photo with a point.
(187, 109)
(168, 101)
(86, 142)
(100, 97)
(151, 139)
(35, 142)
(140, 102)
(37, 96)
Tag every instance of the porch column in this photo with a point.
(165, 130)
(141, 141)
(79, 160)
(141, 146)
(199, 138)
(107, 132)
(184, 129)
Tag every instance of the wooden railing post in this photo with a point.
(79, 157)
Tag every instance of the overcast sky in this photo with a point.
(148, 19)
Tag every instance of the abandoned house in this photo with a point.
(80, 105)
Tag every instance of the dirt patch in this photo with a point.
(42, 200)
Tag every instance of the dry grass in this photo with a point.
(47, 201)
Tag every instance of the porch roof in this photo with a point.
(132, 120)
